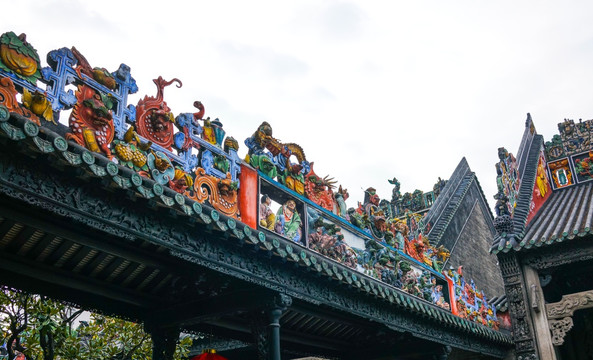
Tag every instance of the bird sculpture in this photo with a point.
(39, 104)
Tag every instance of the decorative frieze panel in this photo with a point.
(559, 255)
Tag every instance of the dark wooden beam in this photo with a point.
(42, 272)
(38, 248)
(67, 231)
(77, 258)
(90, 301)
(228, 326)
(200, 310)
(23, 237)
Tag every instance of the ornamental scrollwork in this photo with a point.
(569, 304)
(559, 329)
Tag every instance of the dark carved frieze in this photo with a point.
(90, 204)
(516, 296)
(527, 356)
(565, 253)
(514, 293)
(525, 345)
(512, 280)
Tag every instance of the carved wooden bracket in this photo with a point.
(559, 329)
(560, 313)
(569, 304)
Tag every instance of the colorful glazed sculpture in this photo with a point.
(230, 144)
(469, 302)
(288, 221)
(508, 180)
(8, 99)
(181, 181)
(416, 248)
(190, 128)
(19, 57)
(541, 178)
(327, 239)
(100, 75)
(561, 173)
(132, 152)
(39, 104)
(266, 215)
(154, 120)
(213, 132)
(584, 167)
(220, 193)
(260, 139)
(293, 179)
(289, 174)
(205, 168)
(340, 201)
(91, 123)
(264, 164)
(161, 168)
(376, 216)
(319, 190)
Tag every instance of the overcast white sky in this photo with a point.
(369, 89)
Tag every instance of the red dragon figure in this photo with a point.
(91, 121)
(154, 120)
(320, 190)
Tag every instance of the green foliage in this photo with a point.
(44, 329)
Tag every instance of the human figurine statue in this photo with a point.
(266, 215)
(288, 221)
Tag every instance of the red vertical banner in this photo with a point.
(452, 300)
(248, 195)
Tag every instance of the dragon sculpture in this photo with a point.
(154, 119)
(91, 121)
(320, 190)
(293, 174)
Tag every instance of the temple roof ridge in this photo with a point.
(527, 158)
(446, 205)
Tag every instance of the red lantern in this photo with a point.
(209, 354)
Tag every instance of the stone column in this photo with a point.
(280, 303)
(274, 333)
(265, 327)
